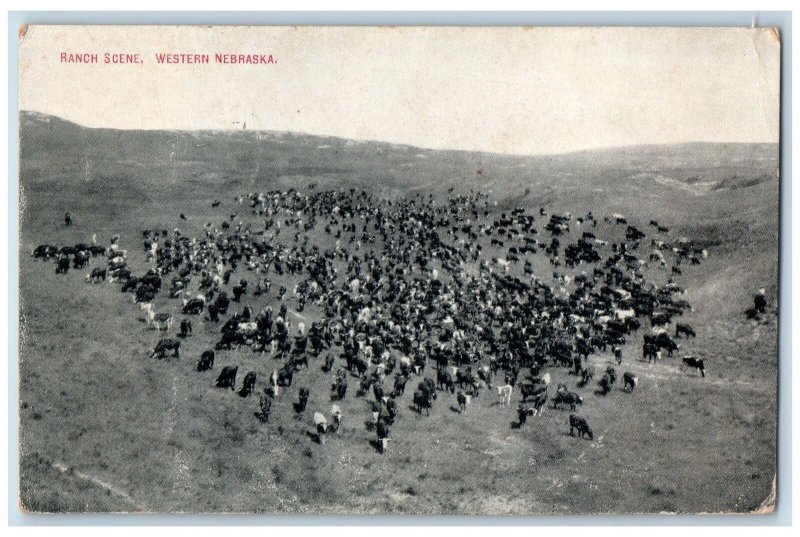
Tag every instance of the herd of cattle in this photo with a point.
(400, 289)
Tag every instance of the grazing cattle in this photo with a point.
(62, 267)
(605, 385)
(695, 363)
(81, 259)
(159, 319)
(382, 430)
(445, 381)
(97, 275)
(206, 361)
(504, 394)
(302, 399)
(186, 328)
(123, 274)
(248, 384)
(630, 381)
(194, 306)
(586, 374)
(570, 399)
(463, 401)
(339, 388)
(538, 403)
(399, 385)
(532, 389)
(165, 345)
(285, 377)
(264, 406)
(579, 424)
(44, 251)
(227, 378)
(423, 400)
(683, 328)
(321, 426)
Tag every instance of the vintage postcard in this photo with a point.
(398, 270)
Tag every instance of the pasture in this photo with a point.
(104, 427)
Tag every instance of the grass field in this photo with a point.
(105, 428)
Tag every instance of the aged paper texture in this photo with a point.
(398, 270)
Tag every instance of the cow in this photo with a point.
(570, 399)
(265, 406)
(194, 306)
(605, 385)
(399, 385)
(81, 259)
(302, 400)
(504, 394)
(165, 345)
(248, 384)
(463, 401)
(98, 274)
(538, 404)
(62, 267)
(186, 328)
(683, 328)
(206, 361)
(444, 381)
(532, 389)
(586, 374)
(382, 430)
(227, 378)
(629, 380)
(579, 424)
(695, 363)
(44, 251)
(423, 400)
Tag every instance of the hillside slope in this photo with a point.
(105, 428)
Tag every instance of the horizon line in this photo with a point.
(398, 144)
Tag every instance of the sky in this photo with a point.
(526, 91)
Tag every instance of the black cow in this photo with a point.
(302, 400)
(248, 384)
(629, 380)
(382, 430)
(264, 405)
(570, 399)
(63, 265)
(165, 345)
(227, 378)
(605, 385)
(423, 400)
(531, 389)
(445, 381)
(695, 363)
(683, 328)
(186, 328)
(206, 361)
(81, 259)
(44, 251)
(579, 424)
(96, 275)
(399, 385)
(193, 307)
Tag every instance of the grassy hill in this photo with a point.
(104, 427)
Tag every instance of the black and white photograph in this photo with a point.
(374, 270)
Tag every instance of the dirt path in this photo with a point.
(64, 468)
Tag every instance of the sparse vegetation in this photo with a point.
(92, 400)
